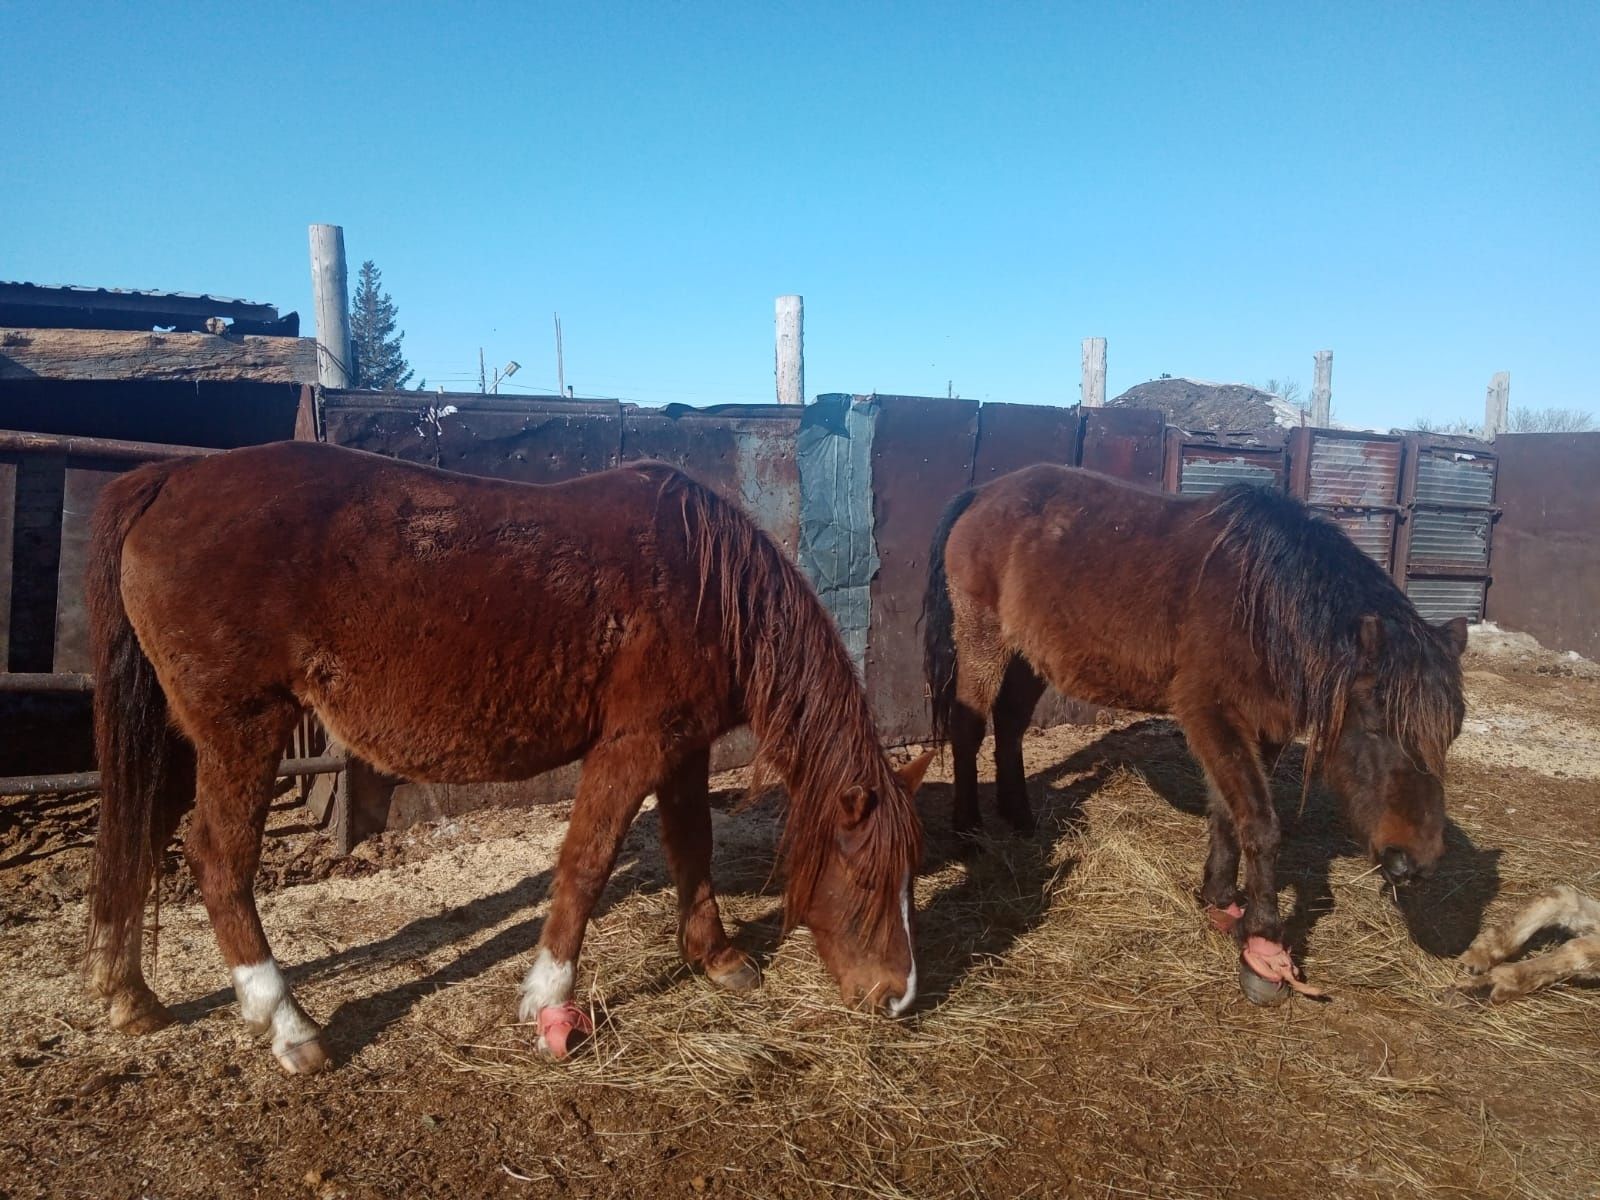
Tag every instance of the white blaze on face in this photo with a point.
(547, 984)
(265, 1003)
(896, 1007)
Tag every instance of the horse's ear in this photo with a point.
(911, 773)
(1370, 636)
(856, 805)
(1455, 630)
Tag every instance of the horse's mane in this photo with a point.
(1304, 588)
(807, 707)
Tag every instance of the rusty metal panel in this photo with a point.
(405, 433)
(922, 454)
(531, 442)
(1207, 469)
(1356, 471)
(1012, 436)
(1450, 538)
(1126, 443)
(1445, 599)
(1370, 529)
(1546, 557)
(1453, 476)
(746, 453)
(8, 520)
(72, 617)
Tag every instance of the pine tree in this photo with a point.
(376, 358)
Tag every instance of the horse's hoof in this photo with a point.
(738, 974)
(139, 1014)
(307, 1058)
(557, 1023)
(1266, 993)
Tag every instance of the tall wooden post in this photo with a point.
(1094, 373)
(1497, 405)
(1322, 390)
(790, 349)
(330, 294)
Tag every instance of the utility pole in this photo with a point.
(330, 297)
(1093, 386)
(561, 361)
(483, 377)
(1497, 406)
(1322, 390)
(790, 349)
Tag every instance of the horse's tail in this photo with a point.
(130, 724)
(938, 622)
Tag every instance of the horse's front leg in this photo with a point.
(616, 777)
(1233, 767)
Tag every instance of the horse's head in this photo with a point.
(1386, 763)
(860, 909)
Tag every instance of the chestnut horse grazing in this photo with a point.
(1242, 615)
(448, 628)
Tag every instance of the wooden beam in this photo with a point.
(1497, 406)
(1093, 387)
(790, 349)
(330, 297)
(88, 354)
(1322, 389)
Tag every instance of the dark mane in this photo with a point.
(807, 707)
(1303, 588)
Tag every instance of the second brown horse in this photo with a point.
(1241, 614)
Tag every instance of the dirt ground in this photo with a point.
(1080, 1031)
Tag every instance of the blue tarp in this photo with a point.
(837, 551)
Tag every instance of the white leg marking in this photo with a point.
(899, 1006)
(547, 984)
(265, 1003)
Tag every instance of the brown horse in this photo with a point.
(1241, 614)
(448, 628)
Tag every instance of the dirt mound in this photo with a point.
(1193, 404)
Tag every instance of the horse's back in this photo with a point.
(1087, 576)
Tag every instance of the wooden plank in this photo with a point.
(8, 520)
(72, 615)
(1093, 392)
(1497, 405)
(1322, 390)
(89, 354)
(790, 349)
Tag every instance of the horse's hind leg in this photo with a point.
(980, 668)
(234, 791)
(1220, 890)
(685, 810)
(617, 774)
(1013, 709)
(115, 971)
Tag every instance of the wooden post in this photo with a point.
(1322, 390)
(330, 292)
(1497, 406)
(1094, 373)
(790, 349)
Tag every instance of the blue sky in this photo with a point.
(961, 192)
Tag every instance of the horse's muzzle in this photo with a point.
(1398, 867)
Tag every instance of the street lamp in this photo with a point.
(511, 368)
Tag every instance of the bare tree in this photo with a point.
(1551, 420)
(1287, 390)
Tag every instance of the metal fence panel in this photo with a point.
(1359, 472)
(1370, 529)
(1447, 476)
(1443, 538)
(1206, 470)
(1444, 599)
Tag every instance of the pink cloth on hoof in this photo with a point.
(556, 1024)
(1271, 961)
(1223, 920)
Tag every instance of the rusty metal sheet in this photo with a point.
(1546, 557)
(531, 442)
(1451, 476)
(1012, 436)
(8, 518)
(405, 433)
(922, 453)
(1441, 600)
(1450, 538)
(81, 492)
(1206, 469)
(1370, 529)
(1357, 471)
(746, 453)
(1127, 443)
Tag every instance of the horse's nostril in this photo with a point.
(1397, 866)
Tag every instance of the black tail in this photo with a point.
(130, 724)
(938, 622)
